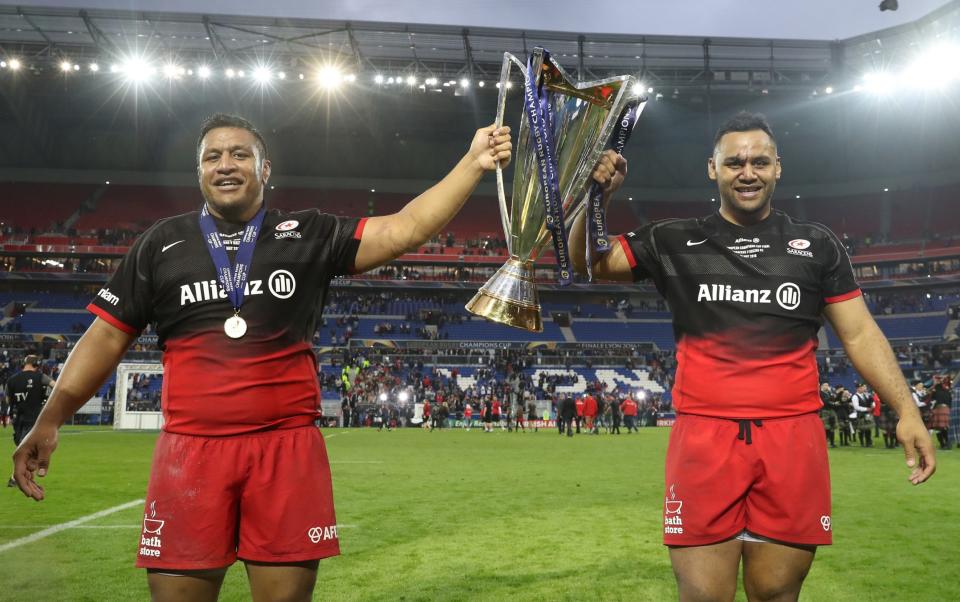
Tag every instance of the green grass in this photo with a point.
(454, 516)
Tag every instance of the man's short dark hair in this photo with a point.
(225, 120)
(745, 122)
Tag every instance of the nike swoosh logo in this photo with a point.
(690, 243)
(173, 244)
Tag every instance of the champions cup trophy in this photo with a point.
(565, 128)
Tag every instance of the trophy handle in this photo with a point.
(508, 61)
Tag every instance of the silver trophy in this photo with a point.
(582, 120)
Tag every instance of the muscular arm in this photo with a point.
(612, 265)
(96, 355)
(390, 236)
(873, 359)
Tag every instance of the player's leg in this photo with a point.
(287, 519)
(774, 572)
(291, 582)
(167, 585)
(707, 573)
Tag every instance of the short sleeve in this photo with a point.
(641, 250)
(126, 300)
(837, 281)
(346, 242)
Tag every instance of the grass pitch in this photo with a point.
(471, 516)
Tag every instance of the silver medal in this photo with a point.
(235, 327)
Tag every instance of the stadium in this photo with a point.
(363, 110)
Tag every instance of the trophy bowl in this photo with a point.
(556, 152)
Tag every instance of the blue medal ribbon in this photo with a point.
(597, 216)
(233, 280)
(540, 119)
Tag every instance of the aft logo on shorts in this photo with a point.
(672, 523)
(318, 534)
(150, 542)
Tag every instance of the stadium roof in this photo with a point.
(807, 19)
(676, 43)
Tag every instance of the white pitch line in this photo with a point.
(357, 462)
(16, 543)
(87, 432)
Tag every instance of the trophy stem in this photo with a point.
(510, 297)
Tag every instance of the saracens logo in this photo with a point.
(287, 225)
(799, 243)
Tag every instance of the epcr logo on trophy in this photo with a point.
(565, 128)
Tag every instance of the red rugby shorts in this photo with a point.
(265, 497)
(717, 485)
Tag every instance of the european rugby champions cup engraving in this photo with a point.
(565, 128)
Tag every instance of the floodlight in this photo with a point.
(411, 80)
(282, 75)
(94, 67)
(935, 68)
(480, 83)
(509, 85)
(383, 397)
(3, 64)
(828, 90)
(390, 80)
(66, 66)
(262, 74)
(464, 83)
(637, 88)
(329, 77)
(403, 396)
(230, 73)
(137, 70)
(378, 79)
(879, 82)
(170, 71)
(14, 64)
(350, 77)
(203, 72)
(431, 81)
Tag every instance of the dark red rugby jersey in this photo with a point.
(215, 385)
(747, 303)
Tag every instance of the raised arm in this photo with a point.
(612, 265)
(871, 355)
(390, 236)
(96, 355)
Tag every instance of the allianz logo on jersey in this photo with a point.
(786, 296)
(281, 285)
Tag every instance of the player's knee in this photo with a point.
(773, 587)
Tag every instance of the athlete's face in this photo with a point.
(746, 168)
(232, 173)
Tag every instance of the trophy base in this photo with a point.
(510, 297)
